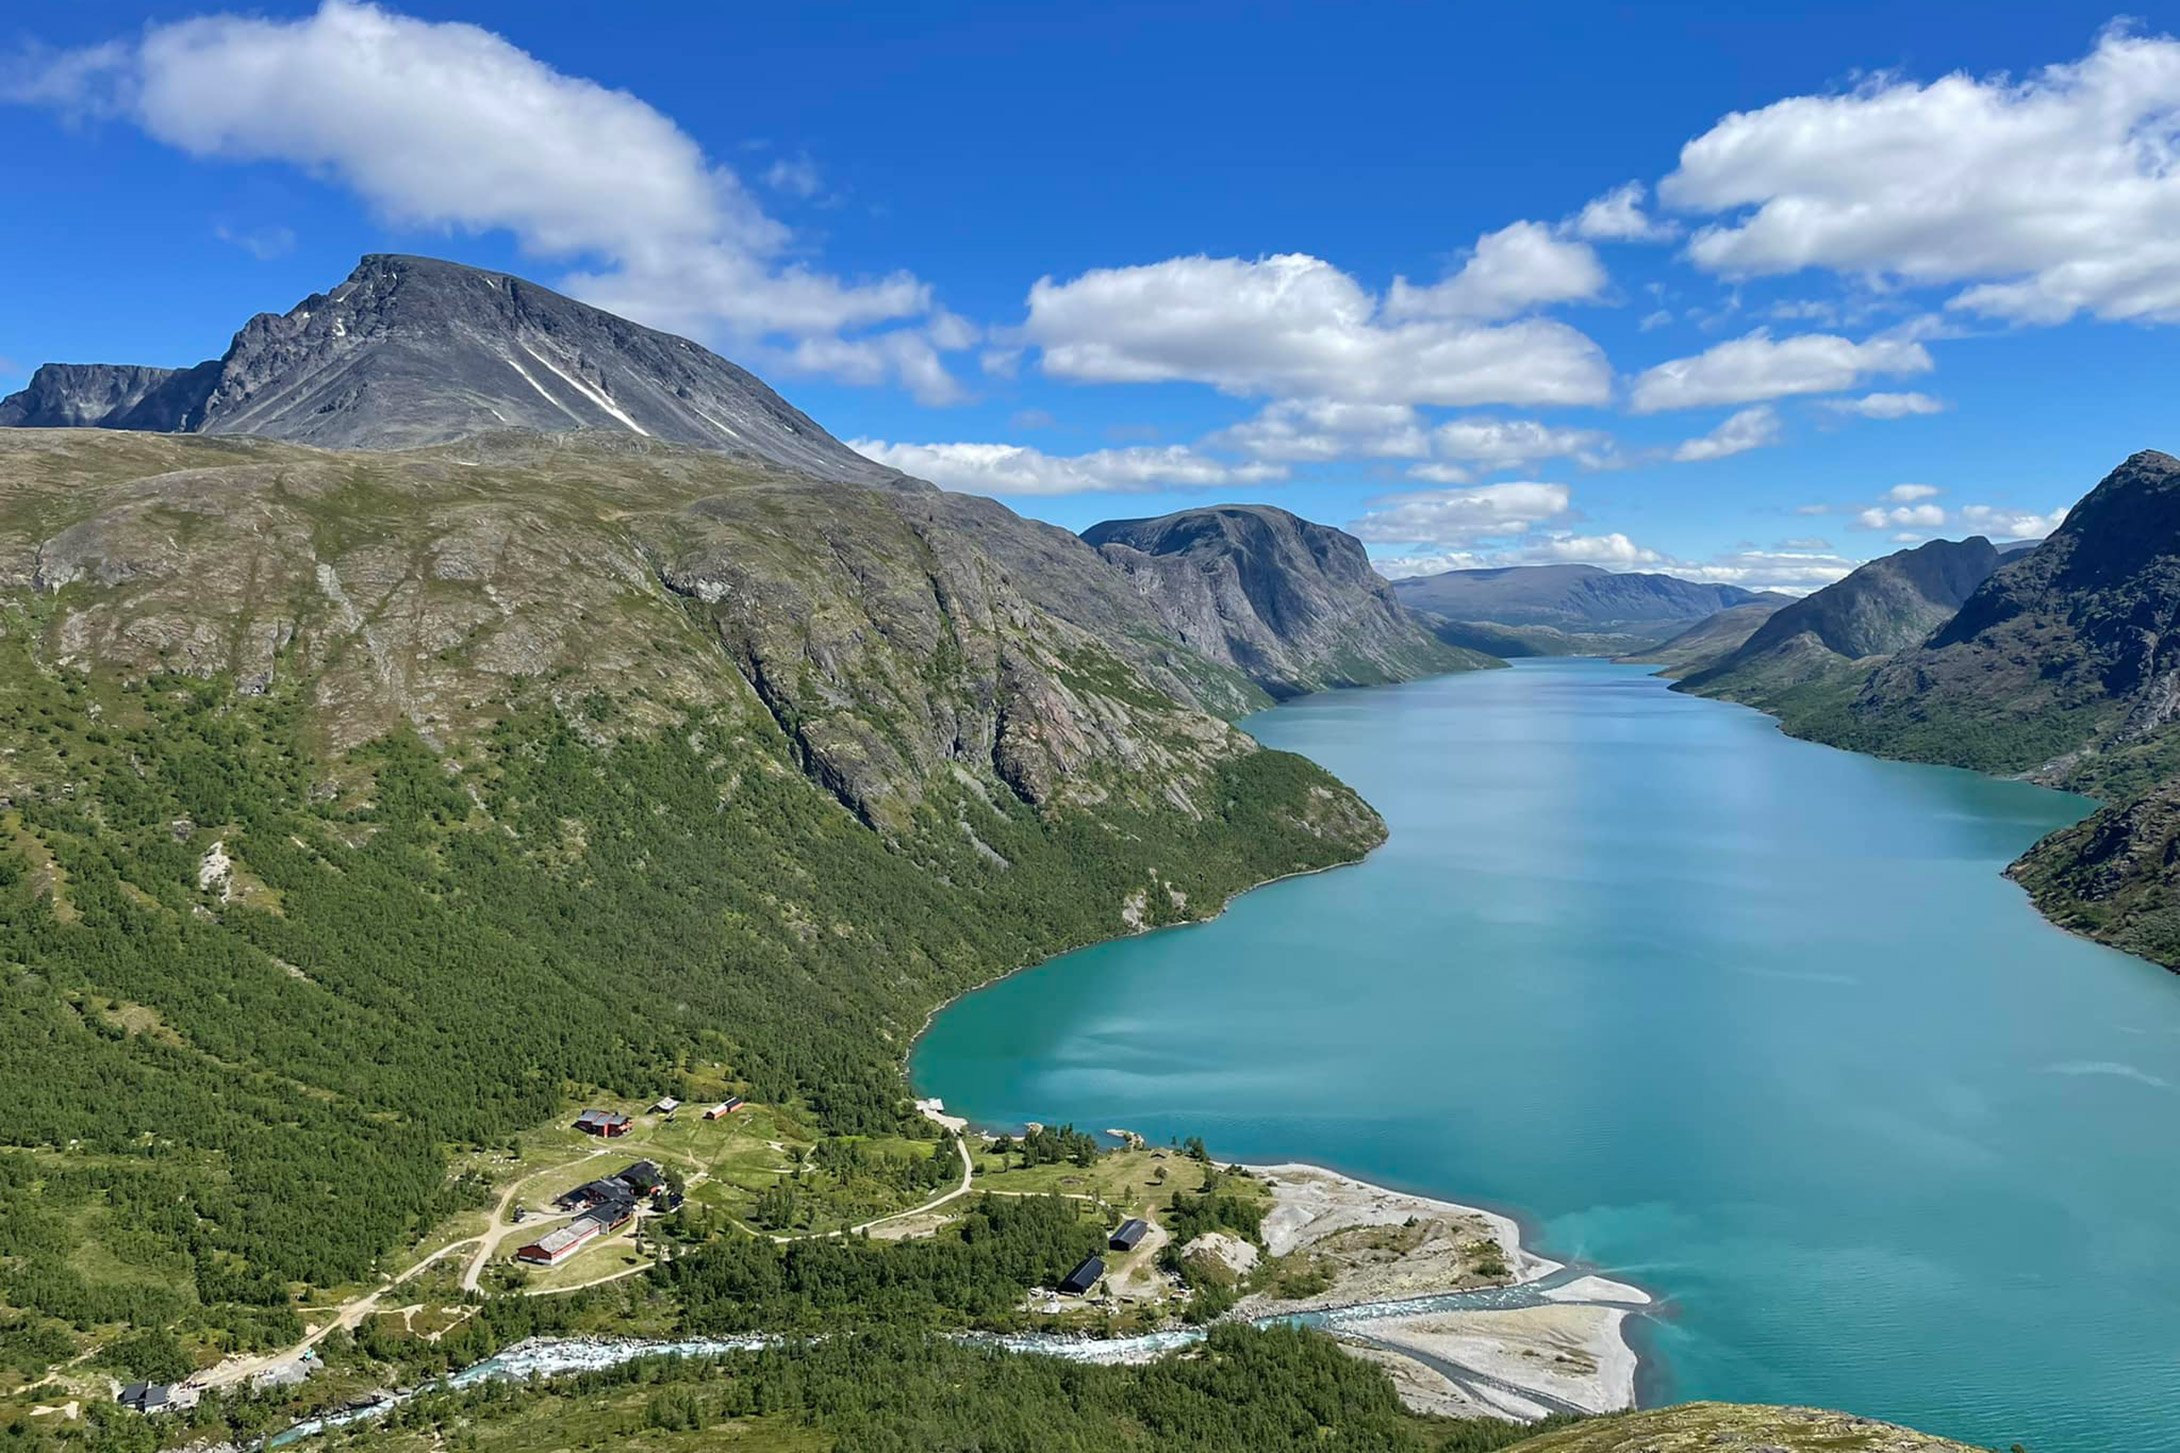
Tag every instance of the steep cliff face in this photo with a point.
(1293, 605)
(80, 396)
(1888, 605)
(411, 351)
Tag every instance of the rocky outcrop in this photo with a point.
(1293, 605)
(2115, 876)
(1732, 1428)
(412, 351)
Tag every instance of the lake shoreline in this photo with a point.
(1564, 1351)
(1620, 1365)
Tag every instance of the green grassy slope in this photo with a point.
(509, 819)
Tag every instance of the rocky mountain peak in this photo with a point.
(411, 351)
(1293, 604)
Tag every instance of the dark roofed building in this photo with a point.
(145, 1397)
(595, 1193)
(642, 1178)
(611, 1215)
(607, 1123)
(1130, 1235)
(1084, 1277)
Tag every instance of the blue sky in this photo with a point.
(1746, 297)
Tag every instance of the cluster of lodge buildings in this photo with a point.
(600, 1208)
(1127, 1236)
(606, 1124)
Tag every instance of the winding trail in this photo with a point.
(350, 1314)
(968, 1174)
(501, 1226)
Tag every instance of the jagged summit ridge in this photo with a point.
(410, 351)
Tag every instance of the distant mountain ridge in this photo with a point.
(1887, 605)
(1568, 596)
(1292, 604)
(1554, 610)
(82, 396)
(413, 351)
(2069, 658)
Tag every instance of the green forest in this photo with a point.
(893, 1391)
(219, 1098)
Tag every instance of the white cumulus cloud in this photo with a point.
(1618, 216)
(1453, 517)
(2009, 524)
(448, 126)
(1511, 271)
(1757, 366)
(1887, 406)
(2039, 197)
(1490, 443)
(1749, 429)
(1325, 429)
(1918, 516)
(1017, 469)
(1294, 326)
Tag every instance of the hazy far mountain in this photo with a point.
(1565, 610)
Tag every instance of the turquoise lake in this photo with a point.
(1754, 1023)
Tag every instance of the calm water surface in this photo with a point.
(1753, 1022)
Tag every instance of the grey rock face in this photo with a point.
(411, 351)
(80, 395)
(1292, 604)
